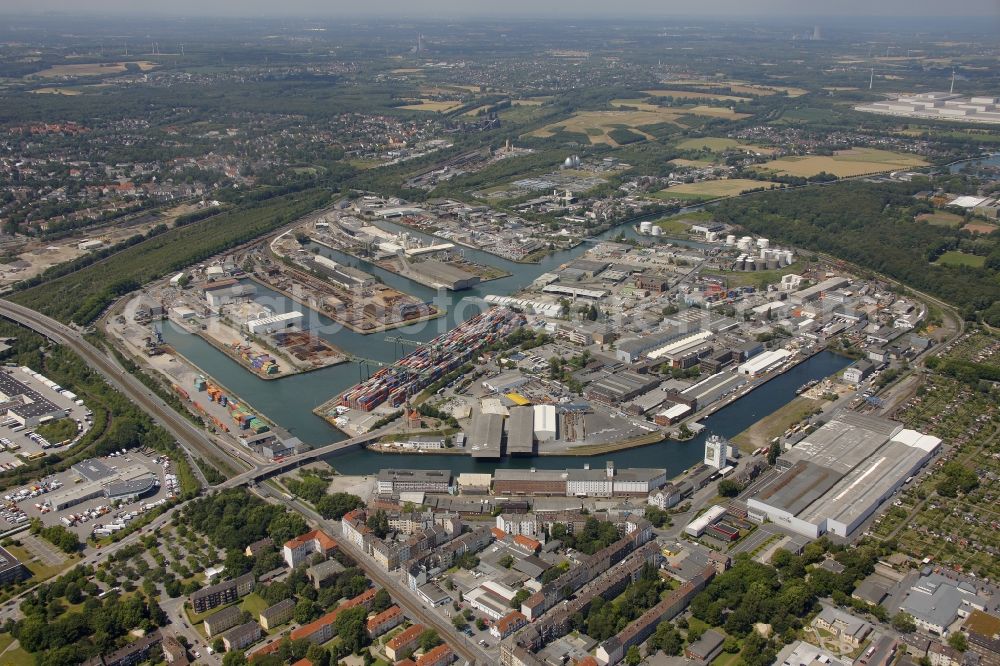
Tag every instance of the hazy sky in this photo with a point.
(569, 8)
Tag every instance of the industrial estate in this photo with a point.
(534, 343)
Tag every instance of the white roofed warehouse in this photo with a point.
(275, 323)
(838, 476)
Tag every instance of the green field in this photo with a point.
(942, 219)
(956, 258)
(81, 296)
(807, 115)
(673, 227)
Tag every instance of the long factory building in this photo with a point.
(839, 475)
(586, 482)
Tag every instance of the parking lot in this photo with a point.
(19, 441)
(100, 514)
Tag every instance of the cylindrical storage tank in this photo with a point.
(645, 227)
(657, 231)
(762, 243)
(772, 264)
(731, 239)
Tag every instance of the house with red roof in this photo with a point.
(297, 550)
(384, 621)
(442, 655)
(508, 624)
(404, 641)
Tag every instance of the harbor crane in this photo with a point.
(398, 344)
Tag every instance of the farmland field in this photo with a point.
(742, 87)
(956, 258)
(427, 105)
(845, 163)
(69, 92)
(716, 112)
(597, 124)
(719, 144)
(941, 219)
(712, 189)
(687, 94)
(91, 69)
(691, 163)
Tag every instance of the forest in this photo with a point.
(233, 519)
(81, 296)
(871, 225)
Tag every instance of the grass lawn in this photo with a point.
(769, 427)
(40, 572)
(673, 227)
(956, 258)
(198, 618)
(254, 603)
(695, 623)
(17, 657)
(5, 641)
(726, 659)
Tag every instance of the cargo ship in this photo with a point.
(411, 374)
(805, 387)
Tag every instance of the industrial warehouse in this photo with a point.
(839, 475)
(99, 480)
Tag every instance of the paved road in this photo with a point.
(391, 582)
(265, 470)
(191, 439)
(11, 609)
(174, 608)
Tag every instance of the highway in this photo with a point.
(193, 440)
(400, 592)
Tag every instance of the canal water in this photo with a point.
(991, 160)
(289, 401)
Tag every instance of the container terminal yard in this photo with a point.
(398, 384)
